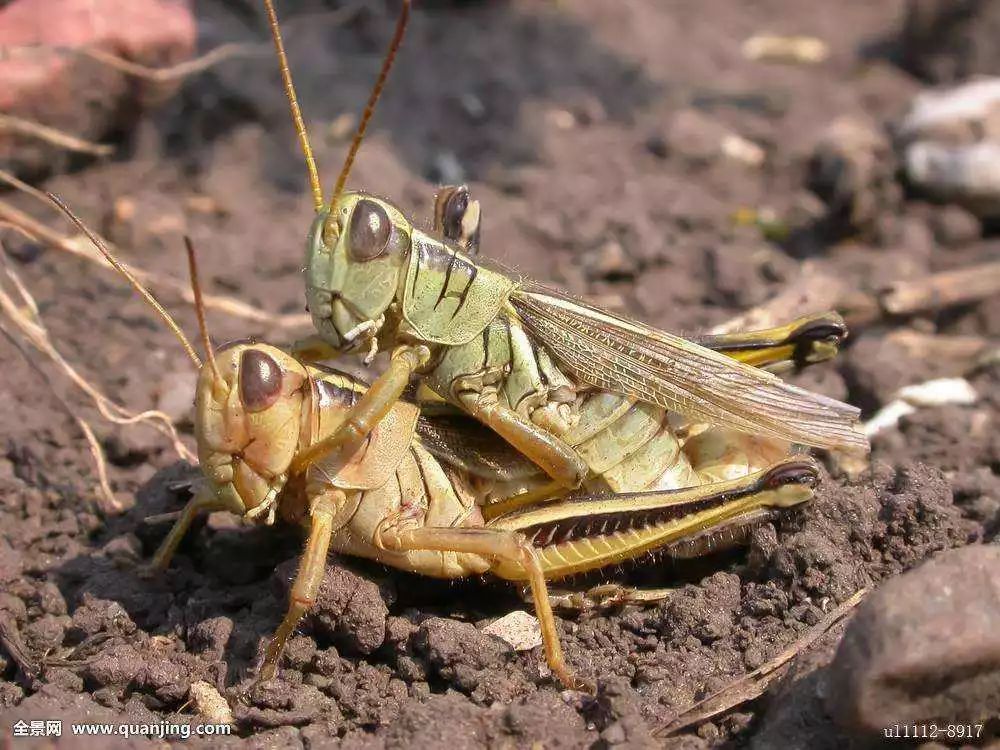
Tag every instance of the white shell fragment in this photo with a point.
(949, 109)
(969, 173)
(886, 417)
(951, 144)
(938, 392)
(209, 703)
(742, 150)
(520, 629)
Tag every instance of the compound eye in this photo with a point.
(800, 472)
(455, 206)
(369, 232)
(260, 380)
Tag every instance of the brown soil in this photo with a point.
(564, 118)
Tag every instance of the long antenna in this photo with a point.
(293, 103)
(123, 270)
(199, 309)
(390, 58)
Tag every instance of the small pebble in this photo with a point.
(786, 49)
(520, 629)
(210, 704)
(953, 226)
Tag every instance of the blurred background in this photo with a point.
(695, 163)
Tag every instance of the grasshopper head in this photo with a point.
(357, 258)
(247, 422)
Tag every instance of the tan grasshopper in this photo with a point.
(433, 497)
(543, 370)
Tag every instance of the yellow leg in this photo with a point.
(549, 453)
(307, 582)
(203, 502)
(367, 413)
(803, 341)
(509, 547)
(671, 518)
(544, 494)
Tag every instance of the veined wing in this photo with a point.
(617, 354)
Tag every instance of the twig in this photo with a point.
(13, 124)
(72, 245)
(159, 75)
(754, 684)
(942, 289)
(816, 289)
(813, 290)
(961, 353)
(72, 660)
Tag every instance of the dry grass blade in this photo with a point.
(81, 248)
(25, 317)
(109, 502)
(12, 124)
(223, 52)
(10, 639)
(159, 75)
(753, 685)
(174, 72)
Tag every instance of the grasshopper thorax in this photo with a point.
(247, 423)
(356, 258)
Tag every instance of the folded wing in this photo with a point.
(614, 353)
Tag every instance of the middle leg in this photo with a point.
(307, 582)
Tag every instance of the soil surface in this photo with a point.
(590, 132)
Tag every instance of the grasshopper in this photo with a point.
(428, 496)
(545, 371)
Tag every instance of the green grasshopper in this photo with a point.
(434, 496)
(538, 367)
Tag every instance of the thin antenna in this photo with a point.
(293, 103)
(123, 270)
(390, 58)
(199, 308)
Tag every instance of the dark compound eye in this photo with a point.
(800, 472)
(455, 206)
(370, 230)
(260, 380)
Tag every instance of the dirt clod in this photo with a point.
(350, 610)
(604, 145)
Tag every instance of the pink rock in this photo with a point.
(76, 94)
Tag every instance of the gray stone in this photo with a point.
(924, 648)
